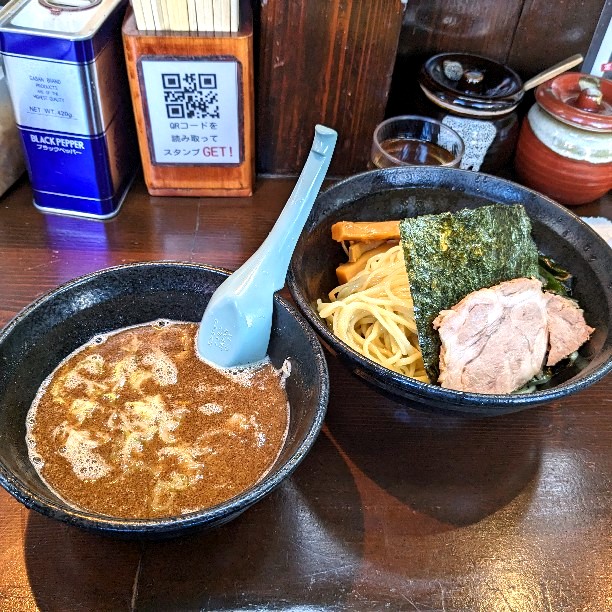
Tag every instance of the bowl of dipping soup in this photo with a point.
(108, 420)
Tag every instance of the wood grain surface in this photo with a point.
(548, 32)
(394, 508)
(323, 62)
(348, 63)
(470, 26)
(526, 35)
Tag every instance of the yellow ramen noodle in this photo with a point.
(373, 313)
(135, 425)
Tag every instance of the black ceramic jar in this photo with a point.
(477, 97)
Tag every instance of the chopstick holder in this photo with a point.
(193, 99)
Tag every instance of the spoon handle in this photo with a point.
(553, 71)
(235, 328)
(274, 254)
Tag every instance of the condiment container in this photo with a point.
(12, 165)
(410, 140)
(194, 104)
(565, 144)
(477, 97)
(66, 76)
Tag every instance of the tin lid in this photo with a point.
(68, 19)
(470, 84)
(578, 99)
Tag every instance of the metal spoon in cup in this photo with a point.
(235, 328)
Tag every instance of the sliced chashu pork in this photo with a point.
(494, 340)
(567, 328)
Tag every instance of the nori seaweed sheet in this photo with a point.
(452, 254)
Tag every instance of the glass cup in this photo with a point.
(410, 140)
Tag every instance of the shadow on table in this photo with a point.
(71, 569)
(277, 551)
(455, 470)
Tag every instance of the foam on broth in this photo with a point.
(135, 425)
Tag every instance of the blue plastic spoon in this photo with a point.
(235, 329)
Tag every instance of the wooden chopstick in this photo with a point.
(187, 15)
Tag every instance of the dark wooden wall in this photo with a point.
(527, 35)
(348, 63)
(322, 61)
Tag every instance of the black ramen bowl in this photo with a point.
(48, 330)
(396, 193)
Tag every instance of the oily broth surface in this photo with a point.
(134, 425)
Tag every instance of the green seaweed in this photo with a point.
(452, 254)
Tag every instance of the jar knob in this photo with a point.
(589, 99)
(452, 70)
(472, 80)
(469, 79)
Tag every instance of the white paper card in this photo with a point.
(193, 111)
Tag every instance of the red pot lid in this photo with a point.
(578, 99)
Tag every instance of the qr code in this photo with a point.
(191, 96)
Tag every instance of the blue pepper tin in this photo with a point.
(66, 75)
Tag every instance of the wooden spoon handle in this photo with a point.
(553, 71)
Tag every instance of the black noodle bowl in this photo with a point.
(394, 193)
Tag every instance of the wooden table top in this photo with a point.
(393, 508)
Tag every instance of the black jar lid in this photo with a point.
(470, 84)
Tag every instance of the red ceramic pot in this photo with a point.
(565, 144)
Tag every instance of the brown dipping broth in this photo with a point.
(135, 425)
